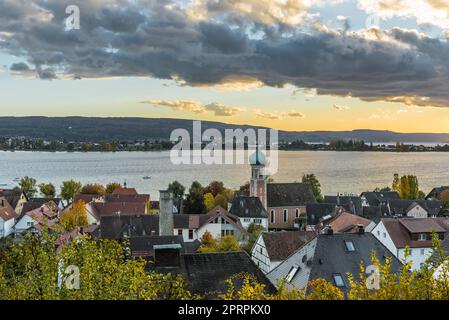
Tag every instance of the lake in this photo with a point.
(348, 172)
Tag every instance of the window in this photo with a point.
(272, 216)
(378, 233)
(30, 223)
(297, 213)
(338, 279)
(247, 220)
(411, 252)
(190, 234)
(422, 237)
(423, 252)
(349, 246)
(257, 221)
(285, 215)
(179, 232)
(261, 250)
(292, 273)
(222, 233)
(385, 234)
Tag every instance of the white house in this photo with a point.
(46, 216)
(218, 222)
(272, 248)
(412, 233)
(7, 218)
(249, 210)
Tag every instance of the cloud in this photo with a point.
(20, 66)
(278, 115)
(192, 106)
(228, 40)
(432, 12)
(340, 107)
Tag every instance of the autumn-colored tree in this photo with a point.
(69, 189)
(245, 287)
(93, 188)
(34, 270)
(226, 244)
(47, 190)
(407, 187)
(245, 189)
(28, 186)
(207, 242)
(110, 187)
(75, 217)
(209, 201)
(320, 289)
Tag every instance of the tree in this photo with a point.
(384, 189)
(245, 189)
(313, 182)
(31, 270)
(444, 197)
(93, 188)
(178, 193)
(407, 187)
(226, 244)
(28, 186)
(75, 217)
(320, 289)
(47, 190)
(69, 189)
(215, 187)
(194, 201)
(254, 231)
(209, 201)
(110, 187)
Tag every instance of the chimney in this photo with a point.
(165, 213)
(360, 229)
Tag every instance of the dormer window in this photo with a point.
(292, 273)
(422, 237)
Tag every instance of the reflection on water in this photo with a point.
(337, 171)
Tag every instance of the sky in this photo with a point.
(297, 65)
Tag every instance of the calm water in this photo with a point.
(337, 171)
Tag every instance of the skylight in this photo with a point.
(292, 273)
(349, 246)
(338, 279)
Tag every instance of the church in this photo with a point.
(284, 202)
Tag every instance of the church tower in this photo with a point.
(258, 183)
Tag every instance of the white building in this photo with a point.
(271, 248)
(7, 218)
(412, 233)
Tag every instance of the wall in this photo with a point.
(279, 217)
(381, 233)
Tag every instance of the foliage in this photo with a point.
(209, 201)
(215, 194)
(94, 188)
(194, 201)
(407, 187)
(226, 244)
(34, 270)
(444, 197)
(28, 186)
(111, 187)
(249, 288)
(47, 190)
(313, 182)
(384, 189)
(69, 189)
(75, 217)
(320, 289)
(245, 189)
(254, 231)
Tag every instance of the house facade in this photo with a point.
(414, 234)
(7, 218)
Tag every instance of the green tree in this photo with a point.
(178, 191)
(28, 186)
(69, 189)
(313, 182)
(47, 190)
(194, 201)
(209, 201)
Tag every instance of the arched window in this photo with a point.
(272, 216)
(285, 215)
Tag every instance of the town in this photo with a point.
(267, 240)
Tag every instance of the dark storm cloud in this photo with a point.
(20, 66)
(159, 39)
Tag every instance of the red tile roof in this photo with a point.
(6, 211)
(347, 222)
(125, 191)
